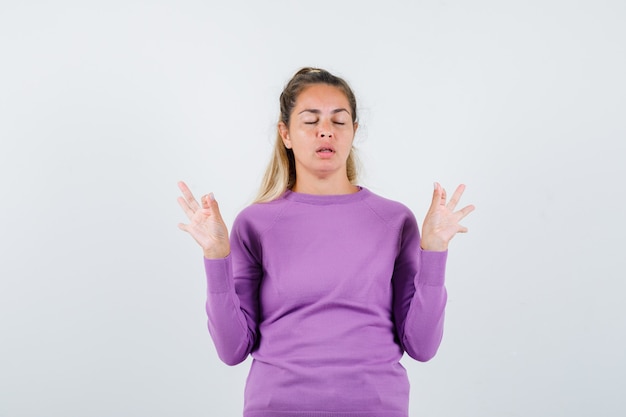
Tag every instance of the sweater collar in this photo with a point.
(322, 200)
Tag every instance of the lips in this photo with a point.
(325, 149)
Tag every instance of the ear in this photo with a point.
(283, 130)
(356, 126)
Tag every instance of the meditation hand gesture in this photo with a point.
(205, 223)
(442, 222)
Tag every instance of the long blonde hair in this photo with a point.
(280, 174)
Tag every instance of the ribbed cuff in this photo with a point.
(432, 267)
(218, 274)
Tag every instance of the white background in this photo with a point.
(104, 106)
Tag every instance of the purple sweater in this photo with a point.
(326, 293)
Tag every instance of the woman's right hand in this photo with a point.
(206, 225)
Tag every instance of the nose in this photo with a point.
(325, 131)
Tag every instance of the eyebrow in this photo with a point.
(316, 111)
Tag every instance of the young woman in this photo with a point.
(323, 282)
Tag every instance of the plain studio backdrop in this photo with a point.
(104, 106)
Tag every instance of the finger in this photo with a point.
(465, 211)
(191, 200)
(206, 200)
(212, 205)
(456, 197)
(185, 206)
(437, 195)
(462, 229)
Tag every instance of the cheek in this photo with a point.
(302, 134)
(348, 135)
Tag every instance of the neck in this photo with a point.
(324, 187)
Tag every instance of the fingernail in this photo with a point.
(211, 196)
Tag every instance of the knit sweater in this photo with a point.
(326, 293)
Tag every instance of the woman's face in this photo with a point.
(320, 132)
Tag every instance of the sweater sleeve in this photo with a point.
(419, 295)
(232, 298)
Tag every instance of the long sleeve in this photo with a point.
(232, 299)
(419, 295)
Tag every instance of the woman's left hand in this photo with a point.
(442, 222)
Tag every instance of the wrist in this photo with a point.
(434, 246)
(216, 253)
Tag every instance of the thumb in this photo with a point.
(209, 203)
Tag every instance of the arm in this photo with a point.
(419, 295)
(419, 274)
(232, 296)
(232, 305)
(232, 278)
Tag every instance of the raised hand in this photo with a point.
(206, 225)
(442, 222)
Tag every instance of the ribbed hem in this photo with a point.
(324, 414)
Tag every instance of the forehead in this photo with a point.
(322, 97)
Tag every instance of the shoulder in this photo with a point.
(260, 216)
(393, 212)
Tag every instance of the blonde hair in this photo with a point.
(280, 174)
